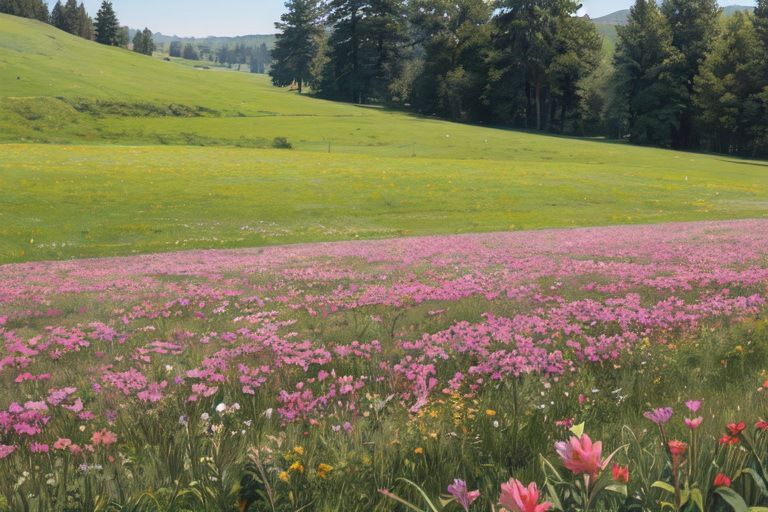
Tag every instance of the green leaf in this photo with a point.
(617, 488)
(423, 494)
(663, 486)
(733, 499)
(697, 499)
(578, 430)
(757, 479)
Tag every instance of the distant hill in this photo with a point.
(620, 17)
(212, 42)
(216, 42)
(615, 18)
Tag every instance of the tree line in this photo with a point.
(256, 57)
(682, 76)
(73, 18)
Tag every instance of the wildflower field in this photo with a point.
(589, 369)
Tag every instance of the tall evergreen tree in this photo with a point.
(577, 53)
(731, 92)
(648, 93)
(525, 34)
(342, 77)
(143, 42)
(453, 37)
(35, 9)
(71, 18)
(85, 23)
(694, 25)
(297, 43)
(57, 15)
(107, 26)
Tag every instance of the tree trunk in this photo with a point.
(538, 104)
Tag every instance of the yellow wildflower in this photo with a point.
(298, 450)
(419, 451)
(284, 476)
(296, 466)
(490, 412)
(323, 470)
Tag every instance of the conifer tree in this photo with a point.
(297, 43)
(107, 26)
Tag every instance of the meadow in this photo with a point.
(310, 377)
(104, 152)
(171, 341)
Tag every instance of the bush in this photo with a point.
(281, 143)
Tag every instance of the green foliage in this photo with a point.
(297, 43)
(649, 94)
(730, 91)
(107, 27)
(143, 42)
(281, 143)
(35, 9)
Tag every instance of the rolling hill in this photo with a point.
(108, 152)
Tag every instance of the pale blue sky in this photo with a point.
(195, 18)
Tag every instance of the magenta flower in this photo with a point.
(659, 416)
(6, 450)
(693, 405)
(581, 455)
(39, 448)
(516, 497)
(694, 423)
(463, 496)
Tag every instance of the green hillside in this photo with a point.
(117, 173)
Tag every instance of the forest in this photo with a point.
(683, 75)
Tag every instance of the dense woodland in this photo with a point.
(682, 76)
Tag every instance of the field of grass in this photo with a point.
(103, 155)
(320, 376)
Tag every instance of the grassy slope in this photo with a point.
(388, 173)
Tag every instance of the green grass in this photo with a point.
(108, 180)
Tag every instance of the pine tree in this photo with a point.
(694, 25)
(85, 23)
(729, 91)
(138, 42)
(453, 37)
(297, 43)
(57, 15)
(35, 9)
(71, 18)
(343, 76)
(107, 26)
(649, 94)
(189, 52)
(174, 49)
(524, 39)
(148, 43)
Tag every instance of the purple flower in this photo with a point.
(693, 405)
(659, 416)
(463, 496)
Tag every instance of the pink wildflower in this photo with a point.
(518, 498)
(581, 455)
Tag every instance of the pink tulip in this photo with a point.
(516, 497)
(581, 455)
(694, 423)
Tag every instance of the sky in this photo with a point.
(197, 18)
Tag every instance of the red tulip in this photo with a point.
(722, 480)
(620, 473)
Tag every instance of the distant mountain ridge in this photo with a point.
(212, 41)
(620, 17)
